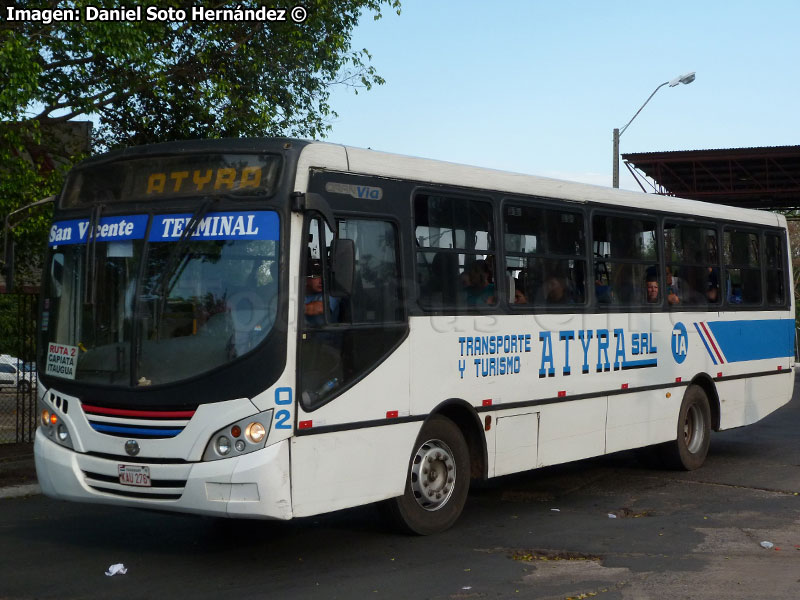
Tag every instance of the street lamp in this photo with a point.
(687, 78)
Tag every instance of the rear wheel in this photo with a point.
(24, 385)
(689, 450)
(437, 481)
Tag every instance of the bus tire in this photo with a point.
(689, 450)
(437, 481)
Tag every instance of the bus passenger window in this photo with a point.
(625, 250)
(776, 273)
(455, 252)
(742, 267)
(545, 255)
(692, 264)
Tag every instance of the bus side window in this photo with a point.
(776, 272)
(455, 252)
(545, 246)
(742, 267)
(692, 269)
(625, 248)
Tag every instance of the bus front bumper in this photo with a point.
(254, 485)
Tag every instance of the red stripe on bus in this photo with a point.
(711, 341)
(121, 412)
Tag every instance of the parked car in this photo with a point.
(28, 376)
(16, 373)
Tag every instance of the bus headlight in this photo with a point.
(223, 445)
(241, 437)
(255, 432)
(53, 426)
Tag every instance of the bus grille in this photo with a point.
(134, 423)
(161, 489)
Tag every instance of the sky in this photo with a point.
(538, 86)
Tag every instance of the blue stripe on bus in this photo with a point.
(754, 340)
(637, 364)
(705, 343)
(151, 431)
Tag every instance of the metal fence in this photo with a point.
(18, 376)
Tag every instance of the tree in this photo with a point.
(149, 81)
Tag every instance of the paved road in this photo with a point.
(544, 534)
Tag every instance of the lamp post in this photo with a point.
(687, 78)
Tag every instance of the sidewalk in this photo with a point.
(17, 471)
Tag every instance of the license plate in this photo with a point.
(137, 475)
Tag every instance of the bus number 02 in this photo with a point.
(283, 397)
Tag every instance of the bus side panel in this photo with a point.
(764, 395)
(572, 430)
(731, 403)
(338, 470)
(636, 420)
(745, 401)
(516, 443)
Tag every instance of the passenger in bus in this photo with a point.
(712, 291)
(442, 284)
(519, 292)
(602, 292)
(314, 310)
(673, 287)
(477, 287)
(490, 266)
(555, 290)
(735, 293)
(651, 284)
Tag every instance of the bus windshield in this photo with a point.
(129, 310)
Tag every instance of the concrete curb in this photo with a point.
(20, 491)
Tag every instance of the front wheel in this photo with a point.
(688, 452)
(437, 481)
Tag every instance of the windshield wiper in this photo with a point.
(176, 255)
(90, 257)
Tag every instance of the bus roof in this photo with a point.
(371, 162)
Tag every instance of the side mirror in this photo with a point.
(343, 266)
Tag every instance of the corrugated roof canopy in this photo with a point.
(766, 178)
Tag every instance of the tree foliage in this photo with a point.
(151, 81)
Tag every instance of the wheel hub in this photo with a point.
(693, 428)
(433, 474)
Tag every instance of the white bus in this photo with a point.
(274, 328)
